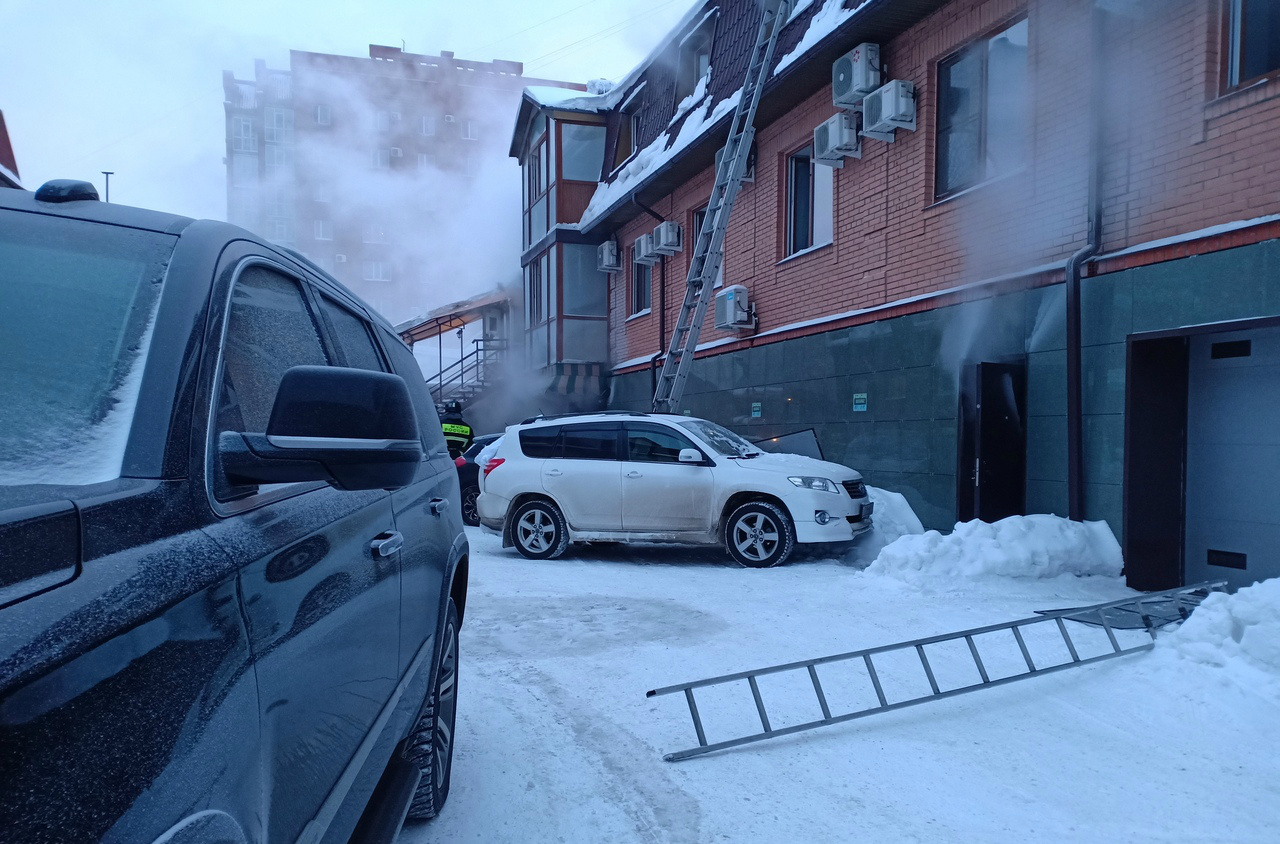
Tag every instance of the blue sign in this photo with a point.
(859, 402)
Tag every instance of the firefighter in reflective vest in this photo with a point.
(457, 433)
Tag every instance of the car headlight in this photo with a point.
(819, 484)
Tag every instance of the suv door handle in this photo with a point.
(438, 506)
(553, 473)
(634, 475)
(386, 543)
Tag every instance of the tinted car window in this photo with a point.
(407, 368)
(75, 325)
(540, 442)
(269, 330)
(589, 442)
(655, 445)
(352, 336)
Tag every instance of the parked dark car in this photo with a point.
(232, 563)
(469, 477)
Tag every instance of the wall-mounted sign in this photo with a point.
(859, 402)
(756, 410)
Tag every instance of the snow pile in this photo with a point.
(826, 21)
(1020, 546)
(892, 519)
(1240, 631)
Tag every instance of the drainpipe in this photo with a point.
(1074, 271)
(662, 300)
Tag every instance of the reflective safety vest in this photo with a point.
(457, 436)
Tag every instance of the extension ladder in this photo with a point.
(1182, 600)
(708, 252)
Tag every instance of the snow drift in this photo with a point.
(1233, 631)
(1037, 546)
(893, 518)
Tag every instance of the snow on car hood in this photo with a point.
(798, 464)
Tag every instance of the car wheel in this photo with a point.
(758, 535)
(539, 530)
(469, 514)
(430, 744)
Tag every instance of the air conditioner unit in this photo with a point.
(890, 107)
(668, 238)
(449, 118)
(339, 259)
(607, 257)
(396, 152)
(733, 308)
(644, 251)
(854, 75)
(835, 138)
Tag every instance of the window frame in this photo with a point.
(696, 218)
(641, 427)
(789, 181)
(1233, 28)
(632, 286)
(687, 73)
(978, 43)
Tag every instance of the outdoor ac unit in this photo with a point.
(854, 75)
(607, 257)
(339, 259)
(396, 152)
(668, 238)
(645, 253)
(733, 308)
(836, 138)
(890, 107)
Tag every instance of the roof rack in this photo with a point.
(541, 418)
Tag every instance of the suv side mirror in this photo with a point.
(690, 455)
(352, 427)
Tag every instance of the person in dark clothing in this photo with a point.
(457, 433)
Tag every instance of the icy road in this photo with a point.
(556, 741)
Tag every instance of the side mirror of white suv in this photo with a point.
(690, 455)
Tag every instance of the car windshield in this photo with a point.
(78, 304)
(721, 439)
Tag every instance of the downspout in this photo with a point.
(662, 301)
(1074, 271)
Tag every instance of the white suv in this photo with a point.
(623, 476)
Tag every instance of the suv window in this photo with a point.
(590, 442)
(353, 337)
(406, 366)
(540, 442)
(654, 444)
(78, 299)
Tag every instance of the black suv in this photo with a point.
(232, 561)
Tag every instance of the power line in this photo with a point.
(599, 34)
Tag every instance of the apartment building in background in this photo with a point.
(374, 168)
(1002, 256)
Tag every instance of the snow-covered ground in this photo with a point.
(556, 740)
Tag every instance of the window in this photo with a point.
(276, 202)
(427, 125)
(983, 111)
(589, 442)
(810, 202)
(628, 133)
(1253, 45)
(583, 150)
(322, 193)
(540, 442)
(281, 231)
(640, 278)
(535, 294)
(353, 337)
(695, 59)
(469, 131)
(387, 120)
(244, 170)
(699, 217)
(278, 157)
(424, 161)
(324, 229)
(652, 444)
(382, 159)
(277, 125)
(407, 368)
(373, 234)
(280, 86)
(377, 271)
(243, 136)
(585, 287)
(323, 116)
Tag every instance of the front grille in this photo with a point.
(854, 520)
(856, 489)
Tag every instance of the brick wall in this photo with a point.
(1177, 157)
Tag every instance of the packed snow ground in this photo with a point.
(557, 742)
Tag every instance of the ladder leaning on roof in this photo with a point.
(1154, 609)
(708, 252)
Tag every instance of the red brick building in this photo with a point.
(365, 165)
(916, 307)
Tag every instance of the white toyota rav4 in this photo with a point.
(648, 477)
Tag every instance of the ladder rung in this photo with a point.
(697, 722)
(1022, 646)
(817, 688)
(977, 660)
(875, 680)
(755, 692)
(1062, 628)
(928, 672)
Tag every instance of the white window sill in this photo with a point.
(804, 252)
(639, 314)
(977, 187)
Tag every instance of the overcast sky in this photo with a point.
(136, 87)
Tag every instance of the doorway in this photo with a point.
(991, 475)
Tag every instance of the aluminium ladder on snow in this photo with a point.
(708, 252)
(1183, 601)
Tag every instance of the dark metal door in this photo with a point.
(992, 472)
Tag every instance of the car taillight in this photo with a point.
(459, 462)
(492, 464)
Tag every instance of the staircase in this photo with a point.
(476, 372)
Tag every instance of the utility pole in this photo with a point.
(108, 174)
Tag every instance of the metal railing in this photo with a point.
(471, 374)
